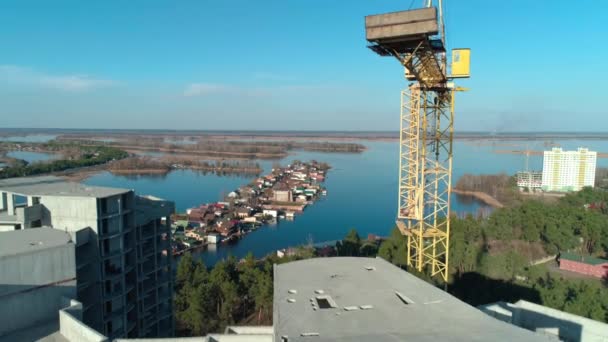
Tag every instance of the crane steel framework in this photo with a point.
(426, 132)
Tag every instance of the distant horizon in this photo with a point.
(32, 130)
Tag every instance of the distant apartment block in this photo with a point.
(121, 244)
(568, 170)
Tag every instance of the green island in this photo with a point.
(73, 157)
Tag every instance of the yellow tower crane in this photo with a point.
(417, 39)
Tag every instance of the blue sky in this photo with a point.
(289, 64)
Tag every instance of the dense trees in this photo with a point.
(584, 298)
(207, 301)
(231, 292)
(489, 261)
(352, 245)
(493, 255)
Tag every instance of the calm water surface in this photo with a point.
(30, 157)
(39, 138)
(362, 191)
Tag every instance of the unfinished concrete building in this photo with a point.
(121, 247)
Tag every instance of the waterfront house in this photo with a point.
(195, 234)
(195, 217)
(226, 227)
(298, 176)
(286, 252)
(282, 195)
(270, 212)
(209, 218)
(179, 223)
(267, 194)
(243, 212)
(310, 192)
(250, 219)
(213, 238)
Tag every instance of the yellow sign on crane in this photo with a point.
(417, 39)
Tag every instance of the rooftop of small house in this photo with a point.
(583, 259)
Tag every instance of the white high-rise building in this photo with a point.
(568, 170)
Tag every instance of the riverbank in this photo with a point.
(538, 153)
(481, 196)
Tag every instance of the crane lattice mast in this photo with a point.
(417, 39)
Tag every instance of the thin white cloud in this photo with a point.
(201, 89)
(31, 77)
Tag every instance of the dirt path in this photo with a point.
(482, 196)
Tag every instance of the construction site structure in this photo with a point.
(530, 181)
(527, 180)
(417, 39)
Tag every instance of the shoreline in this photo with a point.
(291, 134)
(138, 171)
(481, 196)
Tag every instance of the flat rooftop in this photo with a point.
(55, 186)
(367, 299)
(28, 240)
(149, 208)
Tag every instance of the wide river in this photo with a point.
(362, 191)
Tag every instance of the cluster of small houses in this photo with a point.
(278, 195)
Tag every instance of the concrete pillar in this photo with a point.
(10, 204)
(30, 201)
(2, 200)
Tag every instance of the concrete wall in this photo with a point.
(249, 330)
(71, 213)
(72, 328)
(7, 227)
(25, 215)
(208, 338)
(548, 321)
(32, 285)
(567, 326)
(170, 339)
